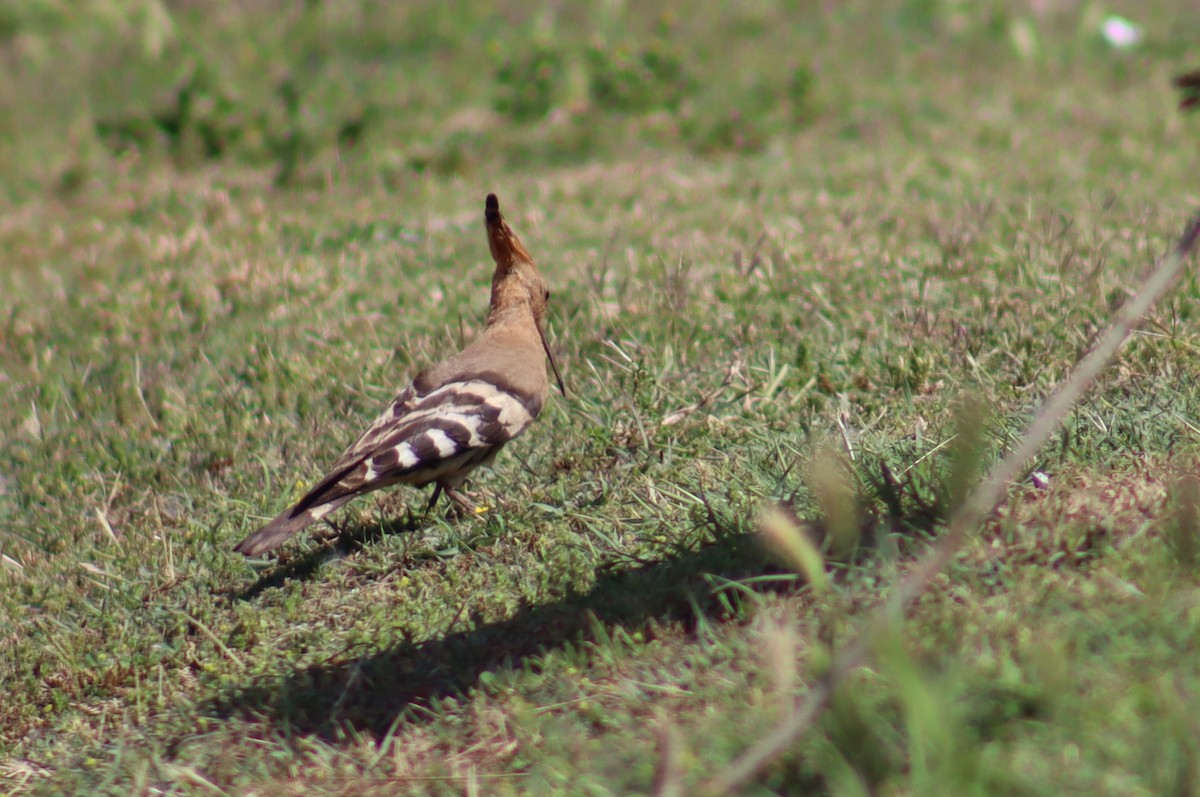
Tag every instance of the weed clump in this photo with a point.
(637, 80)
(529, 84)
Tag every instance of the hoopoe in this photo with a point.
(454, 416)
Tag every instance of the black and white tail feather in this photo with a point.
(455, 416)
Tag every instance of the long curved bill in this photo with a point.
(553, 365)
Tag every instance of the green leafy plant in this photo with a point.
(529, 84)
(636, 80)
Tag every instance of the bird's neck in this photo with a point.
(511, 318)
(510, 304)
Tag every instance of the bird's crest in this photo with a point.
(507, 249)
(517, 280)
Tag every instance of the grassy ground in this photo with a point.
(784, 246)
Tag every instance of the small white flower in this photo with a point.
(1120, 32)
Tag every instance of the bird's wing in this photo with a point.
(421, 436)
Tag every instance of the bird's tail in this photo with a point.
(275, 533)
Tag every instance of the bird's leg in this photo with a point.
(462, 505)
(437, 493)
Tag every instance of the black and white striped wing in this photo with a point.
(426, 438)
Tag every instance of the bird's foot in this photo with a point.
(460, 504)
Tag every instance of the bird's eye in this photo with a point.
(547, 296)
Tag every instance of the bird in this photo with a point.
(454, 416)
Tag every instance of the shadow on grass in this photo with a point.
(305, 567)
(369, 693)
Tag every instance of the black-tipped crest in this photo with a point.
(507, 249)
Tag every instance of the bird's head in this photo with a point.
(519, 294)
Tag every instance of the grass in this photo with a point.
(819, 230)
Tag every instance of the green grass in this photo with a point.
(769, 233)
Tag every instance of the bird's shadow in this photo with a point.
(368, 693)
(343, 543)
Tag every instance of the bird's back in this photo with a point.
(457, 413)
